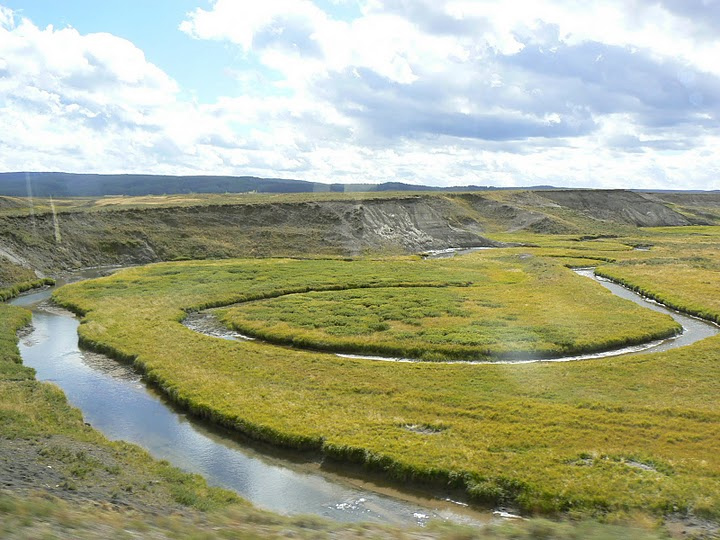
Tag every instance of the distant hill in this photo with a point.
(58, 184)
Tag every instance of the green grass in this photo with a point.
(513, 308)
(21, 206)
(548, 437)
(690, 288)
(8, 293)
(157, 500)
(15, 279)
(11, 319)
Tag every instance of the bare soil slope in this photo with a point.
(340, 226)
(619, 207)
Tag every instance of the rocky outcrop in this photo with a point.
(699, 208)
(412, 224)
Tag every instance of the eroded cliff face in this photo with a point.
(403, 225)
(619, 207)
(409, 224)
(395, 224)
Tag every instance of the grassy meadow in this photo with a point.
(514, 307)
(103, 489)
(613, 435)
(21, 206)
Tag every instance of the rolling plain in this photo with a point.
(626, 439)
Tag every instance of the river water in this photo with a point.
(694, 329)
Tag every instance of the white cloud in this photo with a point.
(241, 22)
(606, 94)
(7, 18)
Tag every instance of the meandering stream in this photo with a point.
(115, 400)
(693, 329)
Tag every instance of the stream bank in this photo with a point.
(283, 482)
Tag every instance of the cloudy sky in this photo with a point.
(607, 93)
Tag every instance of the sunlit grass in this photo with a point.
(12, 318)
(548, 437)
(12, 291)
(39, 205)
(691, 288)
(515, 308)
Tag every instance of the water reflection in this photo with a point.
(114, 400)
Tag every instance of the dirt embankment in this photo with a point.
(352, 226)
(700, 208)
(402, 225)
(618, 206)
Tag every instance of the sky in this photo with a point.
(592, 93)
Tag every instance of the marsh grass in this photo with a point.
(691, 288)
(516, 434)
(520, 308)
(12, 318)
(15, 279)
(38, 412)
(8, 293)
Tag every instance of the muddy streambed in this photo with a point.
(114, 399)
(693, 329)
